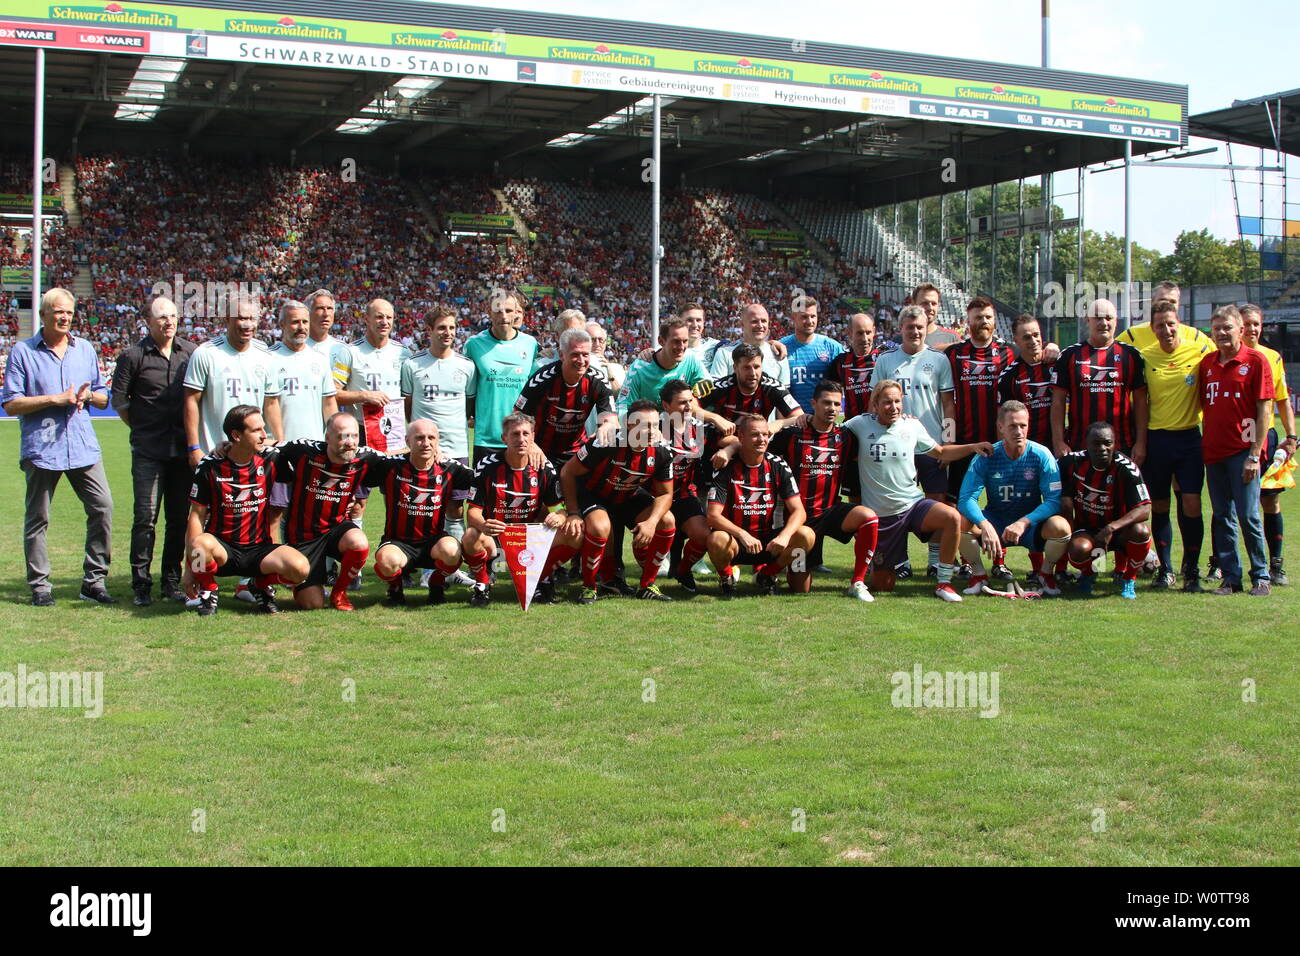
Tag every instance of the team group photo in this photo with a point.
(447, 435)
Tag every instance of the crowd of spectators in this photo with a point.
(282, 232)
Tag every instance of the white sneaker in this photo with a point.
(665, 564)
(945, 592)
(461, 577)
(425, 575)
(242, 593)
(735, 573)
(858, 589)
(702, 568)
(976, 585)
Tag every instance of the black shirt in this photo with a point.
(149, 386)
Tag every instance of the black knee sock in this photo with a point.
(1273, 535)
(1162, 531)
(1192, 531)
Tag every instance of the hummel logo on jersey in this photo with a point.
(516, 499)
(752, 495)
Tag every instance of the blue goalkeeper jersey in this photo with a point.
(1026, 486)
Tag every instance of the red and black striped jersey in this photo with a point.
(236, 497)
(693, 446)
(975, 373)
(1101, 495)
(320, 491)
(1031, 383)
(853, 372)
(561, 410)
(820, 461)
(417, 499)
(727, 400)
(617, 472)
(749, 494)
(514, 495)
(1099, 386)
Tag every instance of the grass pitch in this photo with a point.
(756, 731)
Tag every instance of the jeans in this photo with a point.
(91, 486)
(160, 485)
(1233, 500)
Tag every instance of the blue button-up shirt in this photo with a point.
(55, 438)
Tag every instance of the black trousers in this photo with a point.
(161, 485)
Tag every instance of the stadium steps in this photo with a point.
(68, 188)
(521, 228)
(423, 203)
(911, 268)
(819, 251)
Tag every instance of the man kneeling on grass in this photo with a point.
(742, 512)
(228, 533)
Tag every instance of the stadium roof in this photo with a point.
(1269, 122)
(521, 125)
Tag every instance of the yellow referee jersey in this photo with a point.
(1141, 336)
(1171, 378)
(1280, 393)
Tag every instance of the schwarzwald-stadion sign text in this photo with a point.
(1102, 107)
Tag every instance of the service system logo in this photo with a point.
(526, 71)
(113, 13)
(745, 67)
(452, 41)
(600, 53)
(998, 94)
(287, 26)
(196, 44)
(875, 80)
(1110, 106)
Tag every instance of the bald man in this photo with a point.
(755, 329)
(149, 396)
(368, 379)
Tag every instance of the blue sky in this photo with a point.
(1220, 51)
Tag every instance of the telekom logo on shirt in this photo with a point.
(1211, 391)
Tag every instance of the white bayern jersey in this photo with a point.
(228, 378)
(383, 427)
(305, 379)
(924, 376)
(439, 388)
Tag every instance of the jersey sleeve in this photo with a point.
(1135, 489)
(1138, 365)
(377, 470)
(1061, 378)
(1263, 380)
(786, 486)
(602, 396)
(944, 380)
(201, 488)
(406, 379)
(552, 494)
(1280, 392)
(780, 443)
(471, 381)
(270, 378)
(631, 383)
(781, 398)
(663, 464)
(718, 486)
(1066, 466)
(834, 371)
(462, 478)
(968, 499)
(924, 443)
(530, 395)
(479, 485)
(850, 481)
(341, 365)
(713, 394)
(197, 371)
(1049, 486)
(1007, 384)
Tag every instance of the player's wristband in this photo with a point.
(1253, 459)
(192, 448)
(1292, 438)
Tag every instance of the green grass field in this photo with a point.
(538, 722)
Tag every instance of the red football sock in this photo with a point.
(864, 547)
(1085, 565)
(264, 581)
(1036, 561)
(593, 550)
(660, 545)
(691, 553)
(441, 572)
(390, 578)
(350, 562)
(1062, 561)
(1136, 552)
(728, 571)
(477, 561)
(207, 578)
(558, 556)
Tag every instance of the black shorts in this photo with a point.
(1266, 462)
(1173, 456)
(891, 546)
(316, 550)
(930, 475)
(830, 525)
(956, 473)
(418, 553)
(244, 560)
(684, 509)
(1032, 538)
(621, 515)
(758, 557)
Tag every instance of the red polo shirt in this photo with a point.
(1229, 393)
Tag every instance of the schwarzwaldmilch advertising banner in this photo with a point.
(554, 50)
